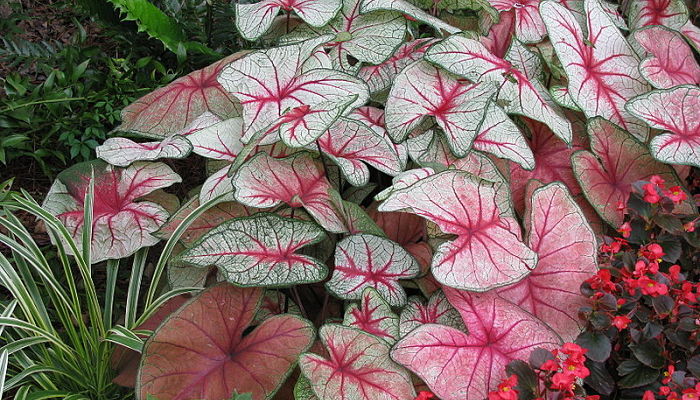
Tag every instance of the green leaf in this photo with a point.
(599, 379)
(636, 374)
(693, 366)
(597, 343)
(241, 396)
(649, 353)
(527, 379)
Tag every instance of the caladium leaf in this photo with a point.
(402, 228)
(351, 144)
(122, 152)
(273, 303)
(487, 252)
(363, 261)
(561, 96)
(500, 35)
(173, 108)
(253, 20)
(217, 184)
(381, 76)
(369, 38)
(436, 311)
(670, 13)
(373, 315)
(676, 112)
(260, 250)
(529, 27)
(280, 100)
(692, 33)
(670, 61)
(618, 160)
(121, 224)
(422, 90)
(601, 67)
(499, 136)
(201, 352)
(220, 141)
(359, 367)
(409, 9)
(566, 248)
(374, 118)
(297, 180)
(520, 95)
(458, 366)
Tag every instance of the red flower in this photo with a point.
(668, 374)
(689, 226)
(648, 395)
(576, 368)
(621, 322)
(664, 390)
(676, 194)
(425, 395)
(550, 365)
(575, 352)
(651, 287)
(690, 394)
(675, 272)
(625, 229)
(562, 381)
(650, 193)
(657, 181)
(601, 280)
(505, 390)
(653, 252)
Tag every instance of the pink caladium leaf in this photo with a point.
(499, 136)
(201, 351)
(456, 365)
(692, 33)
(437, 310)
(529, 27)
(617, 161)
(358, 368)
(171, 109)
(279, 99)
(670, 62)
(402, 228)
(253, 20)
(487, 252)
(220, 141)
(260, 250)
(676, 112)
(601, 67)
(297, 180)
(363, 261)
(210, 219)
(374, 118)
(373, 315)
(121, 224)
(122, 152)
(217, 184)
(519, 95)
(408, 9)
(670, 13)
(351, 144)
(422, 90)
(381, 76)
(369, 38)
(274, 302)
(566, 247)
(500, 35)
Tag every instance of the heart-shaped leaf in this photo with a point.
(402, 228)
(201, 352)
(500, 35)
(297, 180)
(692, 33)
(670, 62)
(351, 144)
(520, 95)
(409, 9)
(456, 365)
(566, 248)
(260, 250)
(279, 99)
(676, 112)
(529, 27)
(670, 13)
(436, 311)
(601, 67)
(363, 261)
(217, 184)
(253, 20)
(373, 315)
(122, 152)
(499, 136)
(618, 160)
(487, 252)
(359, 368)
(220, 141)
(381, 76)
(172, 108)
(121, 224)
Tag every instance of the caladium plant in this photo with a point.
(432, 174)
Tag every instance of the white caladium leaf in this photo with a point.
(217, 184)
(670, 61)
(351, 144)
(566, 245)
(456, 365)
(297, 180)
(561, 96)
(381, 76)
(122, 151)
(374, 118)
(692, 33)
(436, 311)
(422, 90)
(359, 368)
(676, 112)
(260, 250)
(253, 20)
(518, 94)
(601, 66)
(404, 180)
(121, 224)
(529, 27)
(526, 61)
(487, 252)
(409, 9)
(279, 100)
(206, 119)
(373, 315)
(363, 261)
(499, 136)
(669, 13)
(221, 141)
